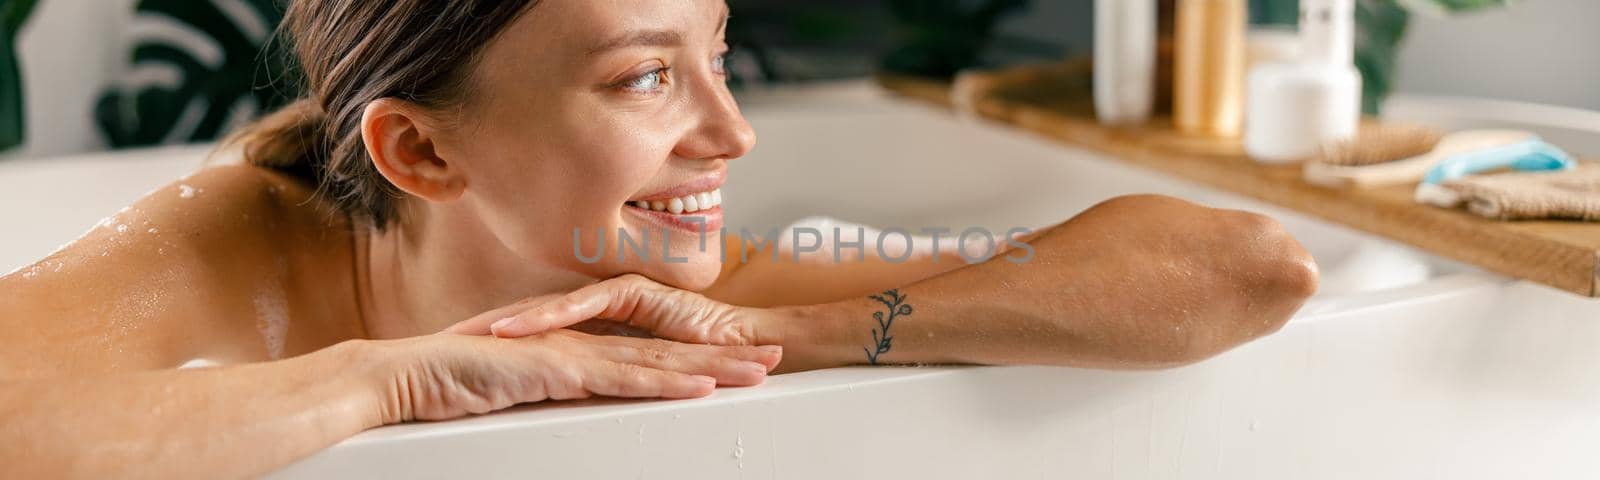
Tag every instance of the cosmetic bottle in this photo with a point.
(1209, 66)
(1296, 106)
(1124, 60)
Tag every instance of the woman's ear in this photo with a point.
(401, 145)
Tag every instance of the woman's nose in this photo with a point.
(721, 131)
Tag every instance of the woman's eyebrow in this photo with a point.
(647, 38)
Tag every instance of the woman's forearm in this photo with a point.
(225, 422)
(1100, 291)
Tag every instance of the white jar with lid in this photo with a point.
(1293, 107)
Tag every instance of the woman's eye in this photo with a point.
(720, 63)
(648, 82)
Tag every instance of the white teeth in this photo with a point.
(690, 203)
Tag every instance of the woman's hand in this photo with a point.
(448, 376)
(634, 301)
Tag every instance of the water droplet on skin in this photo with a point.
(122, 228)
(154, 231)
(186, 192)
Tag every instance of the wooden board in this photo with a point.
(1055, 101)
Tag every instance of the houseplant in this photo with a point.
(12, 116)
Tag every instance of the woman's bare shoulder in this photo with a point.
(234, 197)
(233, 216)
(212, 264)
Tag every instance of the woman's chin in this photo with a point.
(698, 273)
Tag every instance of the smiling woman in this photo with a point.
(429, 181)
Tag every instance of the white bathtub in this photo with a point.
(1406, 366)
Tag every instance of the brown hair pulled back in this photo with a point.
(352, 52)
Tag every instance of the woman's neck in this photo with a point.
(434, 269)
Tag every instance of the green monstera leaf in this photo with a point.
(13, 129)
(200, 67)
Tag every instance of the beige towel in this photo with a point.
(1571, 194)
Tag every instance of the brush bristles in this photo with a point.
(1380, 144)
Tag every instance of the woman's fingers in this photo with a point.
(633, 302)
(613, 379)
(479, 325)
(766, 355)
(636, 301)
(722, 363)
(585, 303)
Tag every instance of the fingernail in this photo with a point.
(755, 368)
(706, 380)
(771, 349)
(503, 323)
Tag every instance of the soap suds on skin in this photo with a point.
(198, 363)
(272, 320)
(272, 314)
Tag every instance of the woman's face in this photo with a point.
(597, 115)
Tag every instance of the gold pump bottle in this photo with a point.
(1209, 67)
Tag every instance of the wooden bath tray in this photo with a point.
(1055, 101)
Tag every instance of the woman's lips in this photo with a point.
(694, 206)
(704, 184)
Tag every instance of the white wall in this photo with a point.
(68, 50)
(1544, 51)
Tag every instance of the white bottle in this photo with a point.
(1293, 107)
(1124, 60)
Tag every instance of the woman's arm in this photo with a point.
(1135, 282)
(753, 278)
(1138, 282)
(245, 420)
(224, 422)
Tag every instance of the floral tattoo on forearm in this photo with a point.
(897, 307)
